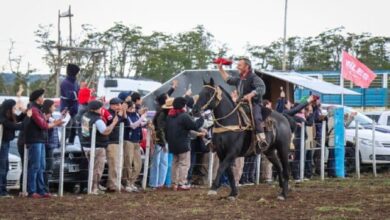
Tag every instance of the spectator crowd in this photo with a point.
(180, 140)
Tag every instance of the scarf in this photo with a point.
(174, 112)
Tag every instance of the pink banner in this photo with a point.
(352, 69)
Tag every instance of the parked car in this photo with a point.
(382, 118)
(15, 171)
(382, 141)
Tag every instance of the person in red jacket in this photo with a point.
(35, 140)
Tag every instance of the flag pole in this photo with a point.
(342, 82)
(342, 91)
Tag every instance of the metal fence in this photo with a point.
(209, 165)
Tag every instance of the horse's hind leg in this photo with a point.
(283, 157)
(271, 155)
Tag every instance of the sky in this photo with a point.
(236, 23)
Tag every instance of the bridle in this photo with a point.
(217, 97)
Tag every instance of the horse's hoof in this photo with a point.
(281, 198)
(231, 198)
(212, 193)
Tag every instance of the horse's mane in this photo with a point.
(229, 98)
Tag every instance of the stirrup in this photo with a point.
(262, 144)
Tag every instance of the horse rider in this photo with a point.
(251, 88)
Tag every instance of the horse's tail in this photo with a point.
(291, 121)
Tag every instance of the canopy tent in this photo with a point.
(274, 80)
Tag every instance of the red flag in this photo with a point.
(222, 61)
(352, 69)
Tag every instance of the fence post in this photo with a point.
(302, 152)
(211, 164)
(1, 135)
(120, 156)
(146, 162)
(373, 150)
(357, 150)
(62, 160)
(91, 159)
(258, 166)
(323, 138)
(25, 170)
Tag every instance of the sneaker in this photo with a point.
(131, 188)
(135, 188)
(297, 181)
(128, 189)
(248, 183)
(47, 195)
(6, 195)
(184, 187)
(102, 188)
(35, 196)
(97, 192)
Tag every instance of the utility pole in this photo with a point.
(284, 38)
(59, 59)
(70, 26)
(59, 46)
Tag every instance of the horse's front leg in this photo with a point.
(217, 181)
(234, 192)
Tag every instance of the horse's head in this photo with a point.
(209, 97)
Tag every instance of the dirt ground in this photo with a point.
(367, 198)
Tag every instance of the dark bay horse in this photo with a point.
(231, 140)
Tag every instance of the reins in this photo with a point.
(222, 128)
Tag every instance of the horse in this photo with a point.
(231, 140)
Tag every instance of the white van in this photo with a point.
(111, 87)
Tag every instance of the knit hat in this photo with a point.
(36, 94)
(115, 101)
(179, 103)
(47, 105)
(72, 69)
(94, 105)
(124, 95)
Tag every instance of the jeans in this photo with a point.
(249, 171)
(4, 167)
(168, 180)
(331, 165)
(296, 164)
(258, 118)
(159, 167)
(36, 169)
(49, 166)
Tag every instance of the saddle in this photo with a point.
(245, 112)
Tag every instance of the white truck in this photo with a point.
(111, 87)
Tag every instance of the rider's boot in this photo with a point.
(262, 144)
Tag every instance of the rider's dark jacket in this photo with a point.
(250, 83)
